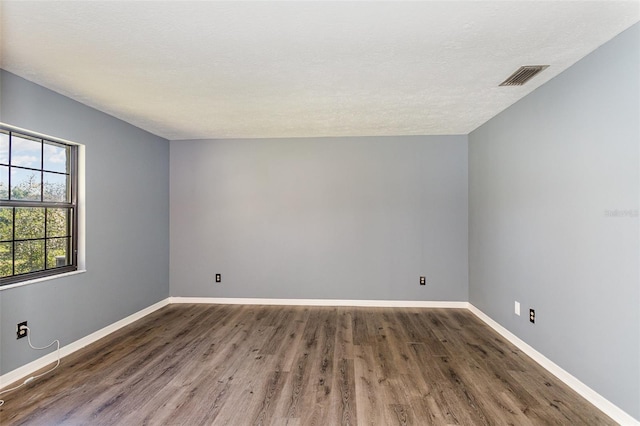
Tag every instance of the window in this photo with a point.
(38, 207)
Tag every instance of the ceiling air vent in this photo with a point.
(523, 74)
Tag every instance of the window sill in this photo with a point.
(38, 280)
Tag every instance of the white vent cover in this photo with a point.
(523, 74)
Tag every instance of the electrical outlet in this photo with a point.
(517, 308)
(21, 332)
(218, 278)
(532, 316)
(423, 280)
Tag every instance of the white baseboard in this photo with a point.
(42, 362)
(321, 302)
(589, 394)
(585, 391)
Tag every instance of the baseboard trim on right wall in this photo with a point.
(606, 406)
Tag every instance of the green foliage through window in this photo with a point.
(37, 207)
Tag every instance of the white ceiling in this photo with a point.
(191, 70)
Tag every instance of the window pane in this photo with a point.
(4, 182)
(26, 152)
(56, 157)
(6, 223)
(6, 259)
(25, 185)
(57, 252)
(29, 256)
(57, 222)
(29, 223)
(4, 148)
(55, 187)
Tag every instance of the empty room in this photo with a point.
(319, 213)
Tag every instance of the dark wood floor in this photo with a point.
(246, 365)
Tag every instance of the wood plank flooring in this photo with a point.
(284, 365)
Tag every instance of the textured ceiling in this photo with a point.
(190, 70)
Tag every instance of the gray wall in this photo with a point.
(127, 224)
(546, 178)
(328, 218)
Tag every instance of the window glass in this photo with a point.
(6, 259)
(56, 157)
(6, 223)
(57, 252)
(29, 223)
(4, 182)
(26, 184)
(26, 152)
(55, 187)
(4, 148)
(57, 222)
(28, 256)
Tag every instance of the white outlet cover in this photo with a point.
(517, 308)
